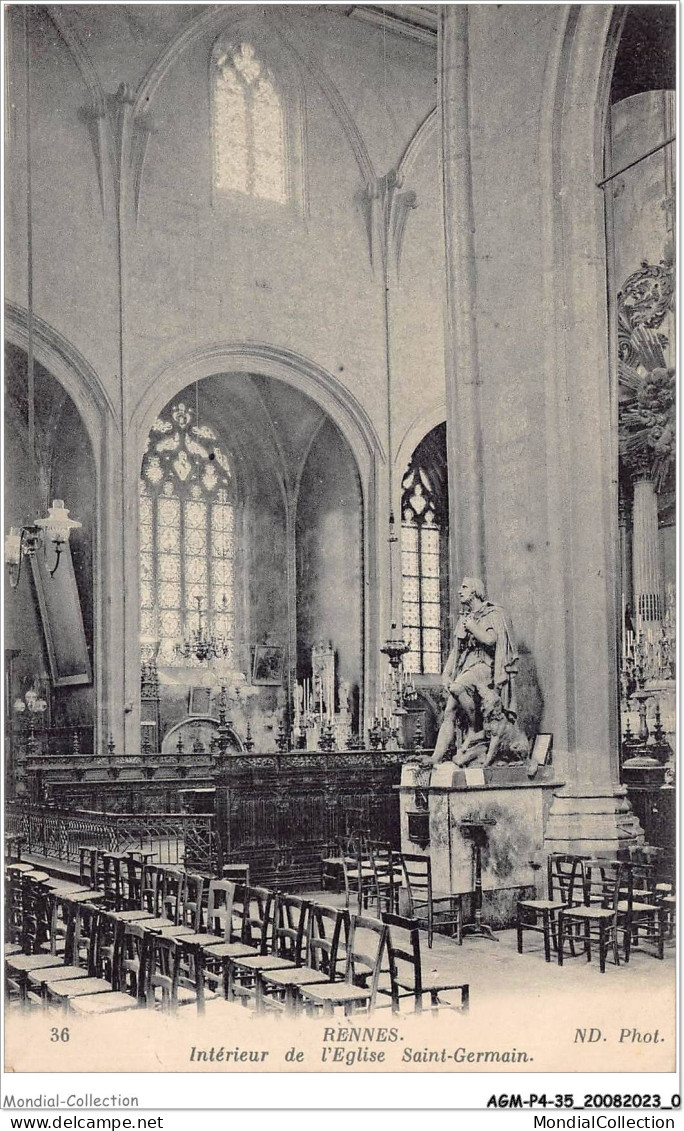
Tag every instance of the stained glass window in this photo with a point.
(424, 556)
(248, 124)
(187, 548)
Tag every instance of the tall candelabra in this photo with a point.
(201, 645)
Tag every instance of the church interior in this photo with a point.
(314, 314)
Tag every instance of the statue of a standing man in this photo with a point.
(483, 660)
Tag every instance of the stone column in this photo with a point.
(464, 429)
(590, 814)
(646, 552)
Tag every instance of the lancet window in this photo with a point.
(187, 535)
(248, 124)
(424, 556)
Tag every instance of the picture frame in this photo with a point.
(541, 750)
(62, 621)
(199, 701)
(267, 666)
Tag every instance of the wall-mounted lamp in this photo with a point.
(24, 541)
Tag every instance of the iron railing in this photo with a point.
(174, 838)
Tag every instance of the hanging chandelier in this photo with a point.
(24, 541)
(201, 645)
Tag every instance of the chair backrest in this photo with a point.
(162, 975)
(35, 914)
(365, 951)
(109, 934)
(607, 883)
(565, 877)
(326, 925)
(131, 878)
(173, 892)
(220, 908)
(238, 873)
(82, 933)
(152, 888)
(89, 859)
(418, 880)
(403, 948)
(131, 959)
(112, 880)
(290, 927)
(193, 897)
(257, 918)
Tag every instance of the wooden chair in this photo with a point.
(332, 875)
(254, 907)
(325, 948)
(79, 955)
(168, 982)
(127, 978)
(35, 926)
(564, 879)
(237, 873)
(358, 991)
(387, 874)
(60, 899)
(18, 967)
(112, 880)
(288, 943)
(432, 912)
(132, 869)
(357, 872)
(151, 889)
(605, 885)
(14, 900)
(192, 909)
(219, 932)
(89, 866)
(645, 912)
(407, 977)
(173, 892)
(125, 989)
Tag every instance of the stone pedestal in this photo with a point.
(514, 858)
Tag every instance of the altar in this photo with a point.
(438, 803)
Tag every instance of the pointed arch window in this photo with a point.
(249, 128)
(187, 535)
(424, 556)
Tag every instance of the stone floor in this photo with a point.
(495, 969)
(565, 1019)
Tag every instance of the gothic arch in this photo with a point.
(76, 375)
(82, 384)
(269, 361)
(315, 382)
(215, 20)
(418, 428)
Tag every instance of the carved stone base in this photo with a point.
(591, 822)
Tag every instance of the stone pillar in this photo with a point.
(464, 429)
(577, 594)
(646, 553)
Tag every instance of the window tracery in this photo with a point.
(424, 528)
(248, 125)
(187, 544)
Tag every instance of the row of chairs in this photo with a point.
(372, 872)
(597, 903)
(273, 951)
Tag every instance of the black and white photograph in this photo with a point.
(340, 589)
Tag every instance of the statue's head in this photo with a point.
(471, 587)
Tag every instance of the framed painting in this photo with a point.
(267, 669)
(62, 621)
